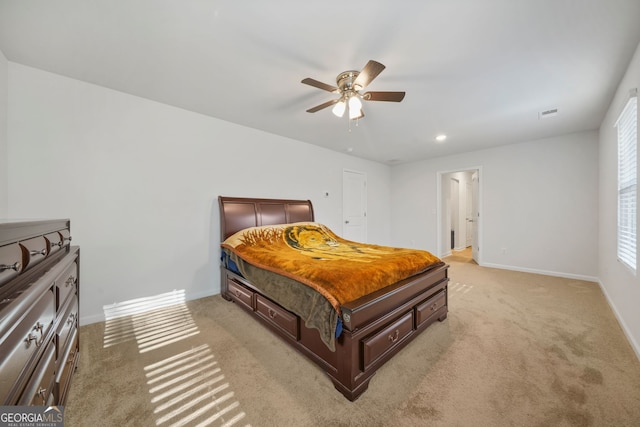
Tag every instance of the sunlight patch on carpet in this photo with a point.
(189, 389)
(459, 288)
(152, 322)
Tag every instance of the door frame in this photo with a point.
(441, 205)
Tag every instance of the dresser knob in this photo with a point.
(42, 252)
(16, 266)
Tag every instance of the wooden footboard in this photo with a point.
(376, 326)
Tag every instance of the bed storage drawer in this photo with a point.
(429, 309)
(381, 342)
(240, 294)
(277, 316)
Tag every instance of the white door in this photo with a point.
(475, 190)
(354, 206)
(469, 213)
(455, 213)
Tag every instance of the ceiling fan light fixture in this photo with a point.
(355, 107)
(354, 103)
(339, 108)
(348, 86)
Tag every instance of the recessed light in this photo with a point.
(441, 137)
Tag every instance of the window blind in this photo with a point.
(627, 126)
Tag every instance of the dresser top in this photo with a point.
(12, 230)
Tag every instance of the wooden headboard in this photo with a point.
(237, 213)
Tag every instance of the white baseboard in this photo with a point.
(92, 318)
(634, 344)
(545, 272)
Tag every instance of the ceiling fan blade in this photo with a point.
(320, 85)
(383, 96)
(368, 73)
(321, 106)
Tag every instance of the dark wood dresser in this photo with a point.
(39, 301)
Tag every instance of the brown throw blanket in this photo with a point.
(340, 270)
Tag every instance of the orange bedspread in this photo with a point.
(339, 269)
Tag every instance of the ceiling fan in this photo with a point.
(350, 84)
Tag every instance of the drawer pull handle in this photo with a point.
(70, 281)
(272, 313)
(41, 252)
(238, 294)
(42, 393)
(434, 306)
(71, 319)
(32, 337)
(16, 266)
(393, 338)
(59, 244)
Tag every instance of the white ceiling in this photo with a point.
(478, 70)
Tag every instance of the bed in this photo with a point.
(364, 333)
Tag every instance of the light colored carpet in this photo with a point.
(517, 349)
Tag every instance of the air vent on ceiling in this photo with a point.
(548, 113)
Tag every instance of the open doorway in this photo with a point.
(458, 212)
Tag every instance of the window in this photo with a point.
(627, 126)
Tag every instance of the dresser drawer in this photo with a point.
(240, 294)
(23, 342)
(377, 345)
(429, 310)
(276, 315)
(66, 284)
(54, 241)
(67, 325)
(67, 363)
(65, 235)
(34, 250)
(40, 385)
(10, 262)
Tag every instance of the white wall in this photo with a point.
(4, 96)
(539, 203)
(139, 181)
(620, 285)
